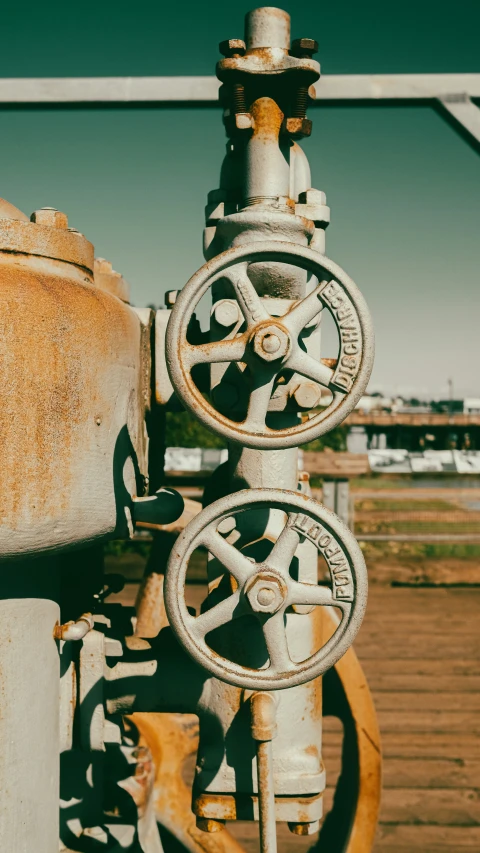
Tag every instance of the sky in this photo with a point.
(403, 186)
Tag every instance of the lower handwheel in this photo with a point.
(267, 590)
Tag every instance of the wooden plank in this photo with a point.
(405, 744)
(423, 806)
(427, 839)
(409, 772)
(422, 721)
(331, 464)
(418, 666)
(401, 681)
(445, 647)
(430, 773)
(427, 701)
(436, 806)
(436, 573)
(457, 623)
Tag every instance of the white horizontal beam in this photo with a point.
(338, 87)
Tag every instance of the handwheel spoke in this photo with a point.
(309, 593)
(307, 366)
(233, 560)
(276, 640)
(250, 303)
(306, 310)
(216, 352)
(284, 549)
(259, 401)
(218, 615)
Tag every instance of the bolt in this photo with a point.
(300, 104)
(266, 592)
(271, 342)
(171, 298)
(265, 596)
(51, 217)
(307, 395)
(226, 312)
(232, 47)
(304, 828)
(298, 128)
(304, 48)
(239, 101)
(207, 824)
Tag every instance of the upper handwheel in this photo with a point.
(269, 346)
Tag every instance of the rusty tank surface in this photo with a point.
(75, 379)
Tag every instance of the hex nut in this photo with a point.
(304, 47)
(271, 342)
(304, 828)
(312, 196)
(307, 395)
(298, 127)
(232, 47)
(102, 265)
(171, 298)
(50, 217)
(226, 312)
(266, 593)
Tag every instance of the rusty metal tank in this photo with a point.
(74, 391)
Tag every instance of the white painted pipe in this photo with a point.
(29, 725)
(267, 27)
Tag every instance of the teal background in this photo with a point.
(403, 187)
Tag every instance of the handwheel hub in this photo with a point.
(266, 592)
(271, 342)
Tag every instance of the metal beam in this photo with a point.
(464, 115)
(333, 87)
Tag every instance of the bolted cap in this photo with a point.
(304, 47)
(50, 216)
(232, 47)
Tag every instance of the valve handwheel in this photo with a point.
(267, 589)
(271, 345)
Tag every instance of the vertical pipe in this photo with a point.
(267, 27)
(29, 711)
(267, 169)
(264, 729)
(266, 798)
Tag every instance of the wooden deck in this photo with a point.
(420, 649)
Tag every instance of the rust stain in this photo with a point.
(57, 336)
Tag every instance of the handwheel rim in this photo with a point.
(223, 668)
(176, 338)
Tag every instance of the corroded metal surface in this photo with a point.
(74, 370)
(112, 282)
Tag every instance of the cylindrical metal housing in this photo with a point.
(29, 714)
(74, 379)
(267, 27)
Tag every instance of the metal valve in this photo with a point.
(268, 590)
(266, 348)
